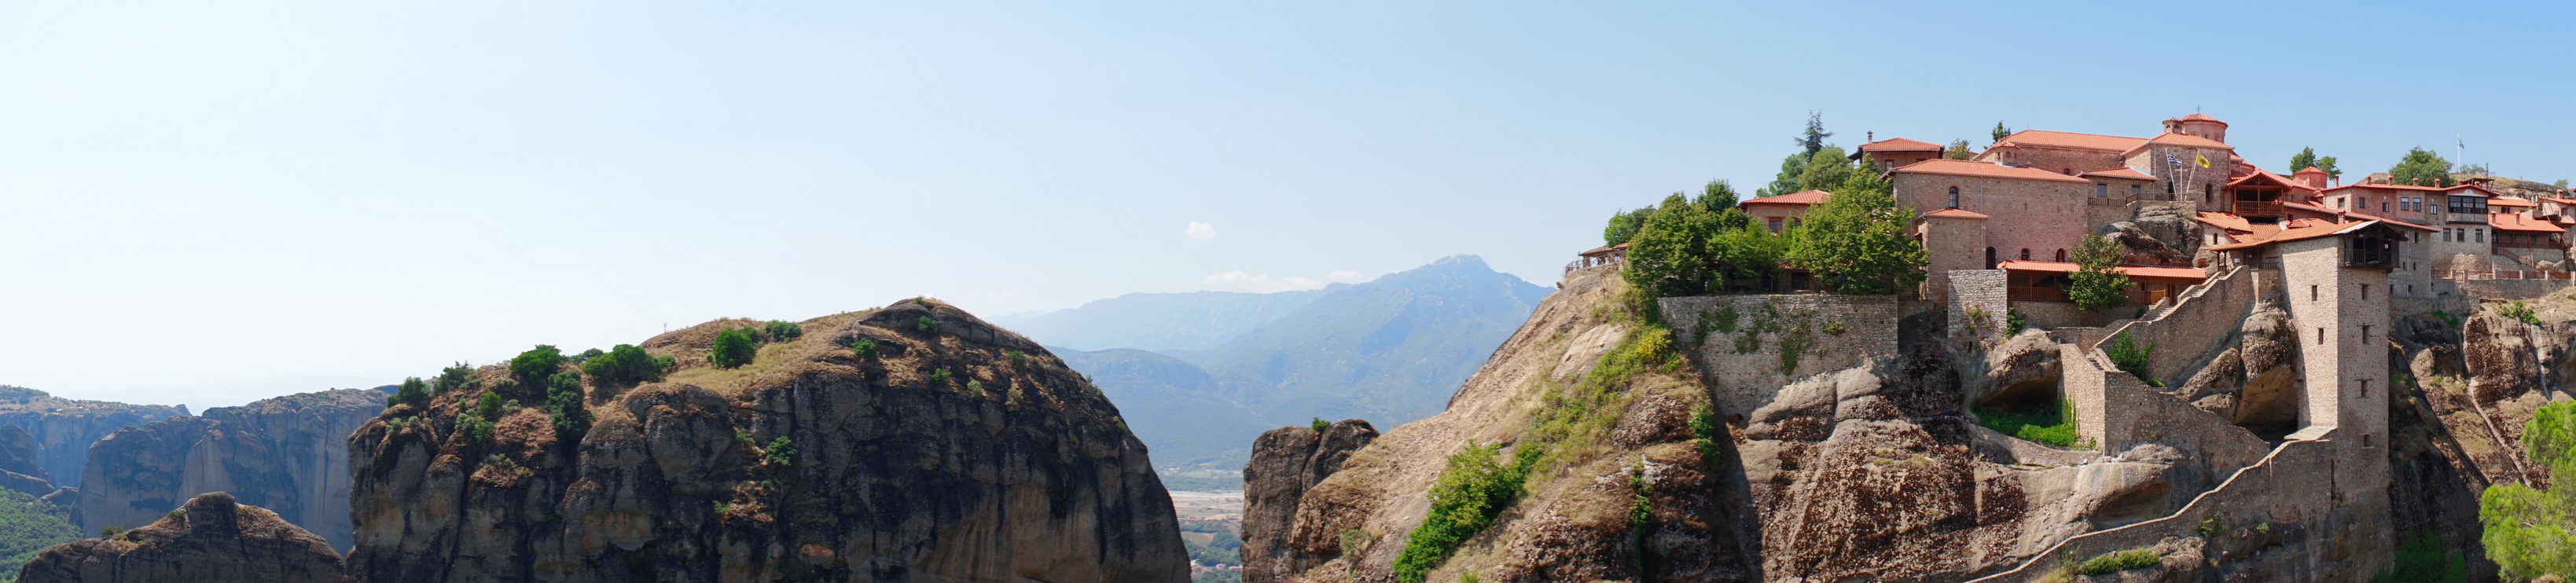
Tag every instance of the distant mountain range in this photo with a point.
(1199, 375)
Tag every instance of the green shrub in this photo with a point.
(413, 391)
(565, 404)
(865, 349)
(780, 331)
(2055, 428)
(452, 378)
(1722, 320)
(1320, 424)
(1836, 327)
(536, 364)
(2014, 322)
(925, 325)
(2520, 312)
(1465, 499)
(586, 355)
(2528, 531)
(2131, 358)
(976, 388)
(780, 453)
(732, 349)
(623, 366)
(942, 377)
(1353, 541)
(2114, 562)
(2447, 319)
(109, 531)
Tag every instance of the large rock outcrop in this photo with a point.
(288, 454)
(212, 538)
(956, 452)
(18, 468)
(1285, 462)
(65, 428)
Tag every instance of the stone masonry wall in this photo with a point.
(1974, 292)
(2041, 216)
(1744, 359)
(2066, 161)
(1952, 244)
(2186, 331)
(2281, 489)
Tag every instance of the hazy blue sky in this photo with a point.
(210, 202)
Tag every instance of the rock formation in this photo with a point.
(288, 454)
(956, 451)
(1285, 462)
(18, 468)
(212, 538)
(64, 428)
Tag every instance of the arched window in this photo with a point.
(2205, 192)
(1990, 258)
(2061, 256)
(2025, 254)
(1954, 197)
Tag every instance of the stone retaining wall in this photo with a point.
(1743, 359)
(2283, 488)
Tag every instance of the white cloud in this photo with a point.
(1343, 276)
(1259, 283)
(1199, 230)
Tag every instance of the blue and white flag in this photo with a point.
(2176, 162)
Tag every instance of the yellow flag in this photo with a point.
(2203, 161)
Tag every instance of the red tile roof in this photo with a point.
(1603, 250)
(2200, 117)
(2508, 201)
(2174, 139)
(2268, 175)
(2516, 222)
(2121, 173)
(1797, 198)
(1899, 145)
(2300, 229)
(1986, 169)
(2129, 270)
(1955, 214)
(2557, 200)
(2051, 139)
(2224, 221)
(2386, 187)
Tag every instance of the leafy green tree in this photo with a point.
(1787, 180)
(1717, 197)
(1825, 171)
(536, 364)
(2530, 532)
(1669, 256)
(780, 331)
(1623, 225)
(2421, 166)
(28, 526)
(1748, 251)
(624, 365)
(732, 349)
(1857, 240)
(781, 452)
(2001, 131)
(585, 356)
(412, 390)
(1958, 150)
(2095, 285)
(2327, 163)
(2305, 158)
(1813, 139)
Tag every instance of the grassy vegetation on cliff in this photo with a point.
(1465, 499)
(2117, 561)
(27, 526)
(2053, 427)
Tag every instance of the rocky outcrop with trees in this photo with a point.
(211, 538)
(911, 442)
(1285, 462)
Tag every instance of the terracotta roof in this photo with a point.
(2121, 173)
(2311, 169)
(1955, 214)
(1602, 250)
(2188, 140)
(2460, 189)
(2516, 222)
(2300, 229)
(2224, 221)
(2508, 201)
(1899, 145)
(1798, 198)
(2268, 175)
(1986, 169)
(2070, 140)
(2129, 270)
(2200, 117)
(2388, 187)
(2557, 200)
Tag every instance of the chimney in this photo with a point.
(1872, 137)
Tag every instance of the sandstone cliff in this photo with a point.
(212, 538)
(288, 454)
(957, 452)
(1285, 462)
(64, 428)
(18, 468)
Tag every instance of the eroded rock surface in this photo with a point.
(211, 538)
(958, 452)
(1285, 462)
(64, 428)
(288, 454)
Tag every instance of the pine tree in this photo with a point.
(1958, 150)
(2001, 131)
(1813, 139)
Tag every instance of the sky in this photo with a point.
(211, 203)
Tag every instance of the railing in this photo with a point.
(1596, 261)
(2023, 293)
(2257, 207)
(2528, 244)
(2504, 274)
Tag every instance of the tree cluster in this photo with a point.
(2532, 532)
(2308, 157)
(1855, 240)
(2421, 166)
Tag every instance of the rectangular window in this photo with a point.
(2365, 335)
(2365, 388)
(2468, 205)
(2101, 190)
(2321, 336)
(1774, 223)
(2312, 293)
(2365, 294)
(2482, 234)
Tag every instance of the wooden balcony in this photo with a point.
(2020, 293)
(2246, 208)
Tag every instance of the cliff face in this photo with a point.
(958, 452)
(65, 428)
(18, 468)
(1285, 462)
(212, 538)
(286, 453)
